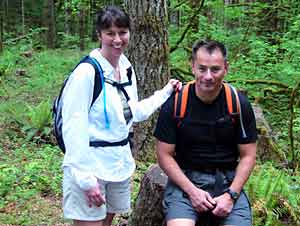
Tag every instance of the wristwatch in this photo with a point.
(233, 195)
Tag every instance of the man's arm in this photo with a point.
(245, 166)
(243, 171)
(201, 200)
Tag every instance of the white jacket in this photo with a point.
(82, 124)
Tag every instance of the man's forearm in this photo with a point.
(245, 167)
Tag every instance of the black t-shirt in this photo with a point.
(198, 111)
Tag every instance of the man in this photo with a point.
(206, 155)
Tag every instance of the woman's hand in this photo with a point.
(94, 196)
(176, 84)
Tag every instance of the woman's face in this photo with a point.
(114, 40)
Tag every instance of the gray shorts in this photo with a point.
(75, 206)
(177, 204)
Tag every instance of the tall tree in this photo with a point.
(148, 53)
(68, 16)
(1, 26)
(23, 17)
(51, 24)
(81, 27)
(93, 12)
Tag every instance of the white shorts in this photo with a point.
(75, 206)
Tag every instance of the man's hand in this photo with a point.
(94, 196)
(224, 205)
(201, 200)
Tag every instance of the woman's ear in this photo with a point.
(98, 35)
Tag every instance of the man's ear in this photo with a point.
(192, 66)
(226, 67)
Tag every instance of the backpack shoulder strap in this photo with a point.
(99, 77)
(234, 106)
(232, 99)
(180, 102)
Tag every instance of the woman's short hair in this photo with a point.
(111, 15)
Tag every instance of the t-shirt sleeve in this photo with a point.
(249, 122)
(166, 124)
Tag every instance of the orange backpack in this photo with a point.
(232, 100)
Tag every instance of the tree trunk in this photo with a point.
(93, 12)
(194, 27)
(81, 28)
(148, 207)
(148, 53)
(51, 37)
(194, 4)
(23, 17)
(68, 17)
(1, 27)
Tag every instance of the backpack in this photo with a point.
(98, 86)
(232, 101)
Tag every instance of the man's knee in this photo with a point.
(181, 222)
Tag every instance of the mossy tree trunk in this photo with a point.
(68, 16)
(148, 52)
(51, 24)
(81, 28)
(1, 26)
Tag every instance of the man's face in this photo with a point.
(209, 70)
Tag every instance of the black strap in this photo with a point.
(120, 86)
(218, 188)
(98, 76)
(107, 144)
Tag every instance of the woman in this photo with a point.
(96, 183)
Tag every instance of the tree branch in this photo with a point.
(172, 49)
(261, 81)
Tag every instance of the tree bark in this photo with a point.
(51, 37)
(81, 28)
(23, 17)
(1, 26)
(93, 12)
(148, 53)
(68, 17)
(148, 207)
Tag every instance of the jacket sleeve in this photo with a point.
(142, 110)
(77, 98)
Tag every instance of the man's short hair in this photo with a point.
(210, 46)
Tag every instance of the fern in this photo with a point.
(274, 195)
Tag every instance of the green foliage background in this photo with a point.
(30, 174)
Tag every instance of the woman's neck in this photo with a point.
(114, 61)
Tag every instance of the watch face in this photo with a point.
(233, 195)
